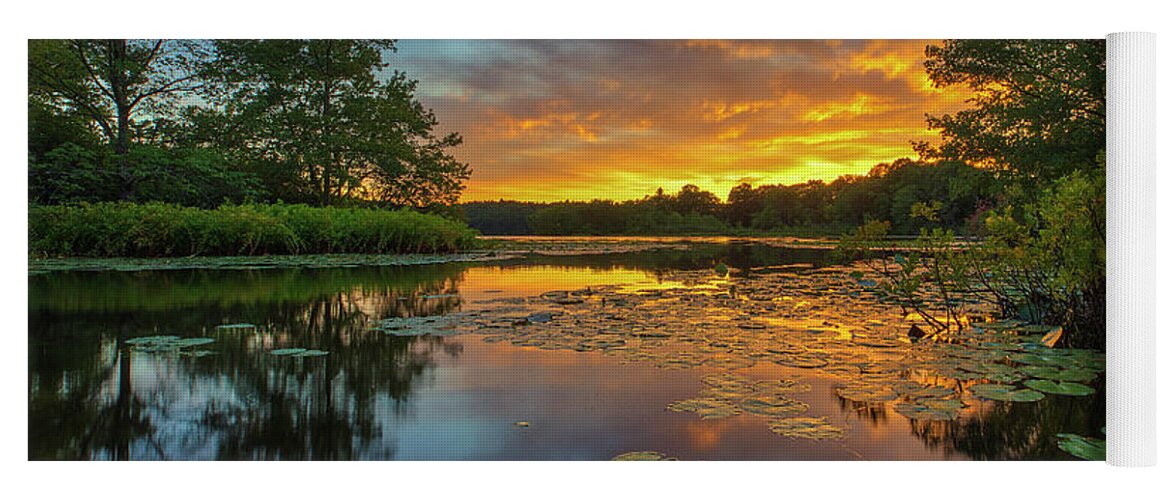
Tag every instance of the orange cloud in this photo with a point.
(555, 120)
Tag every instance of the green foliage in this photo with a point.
(932, 278)
(1085, 448)
(323, 120)
(1050, 256)
(163, 230)
(1045, 261)
(603, 217)
(1039, 109)
(71, 173)
(954, 193)
(500, 217)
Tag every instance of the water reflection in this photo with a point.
(378, 396)
(91, 397)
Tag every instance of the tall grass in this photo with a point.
(163, 230)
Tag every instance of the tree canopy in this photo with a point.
(1038, 110)
(329, 119)
(308, 121)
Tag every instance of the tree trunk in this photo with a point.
(119, 87)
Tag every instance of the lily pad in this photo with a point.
(867, 393)
(706, 408)
(933, 391)
(166, 343)
(726, 379)
(816, 428)
(642, 456)
(727, 392)
(929, 409)
(192, 342)
(310, 353)
(1059, 374)
(155, 339)
(1086, 448)
(287, 351)
(1061, 388)
(773, 406)
(1003, 392)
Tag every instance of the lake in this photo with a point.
(547, 357)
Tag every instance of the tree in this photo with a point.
(325, 120)
(743, 202)
(113, 84)
(693, 200)
(1039, 106)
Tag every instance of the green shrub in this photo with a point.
(163, 230)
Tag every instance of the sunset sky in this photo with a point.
(556, 120)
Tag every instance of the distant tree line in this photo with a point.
(200, 123)
(960, 192)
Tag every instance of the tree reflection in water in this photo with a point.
(92, 397)
(1011, 431)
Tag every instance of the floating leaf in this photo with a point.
(166, 343)
(726, 379)
(816, 428)
(1001, 392)
(773, 406)
(1061, 388)
(156, 339)
(706, 408)
(642, 456)
(922, 410)
(1037, 359)
(310, 353)
(1059, 374)
(933, 391)
(727, 392)
(1086, 448)
(867, 393)
(287, 352)
(192, 342)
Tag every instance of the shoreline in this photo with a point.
(500, 248)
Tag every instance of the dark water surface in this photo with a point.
(377, 396)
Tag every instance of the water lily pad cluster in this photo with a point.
(419, 326)
(170, 344)
(827, 321)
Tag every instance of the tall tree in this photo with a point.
(331, 120)
(114, 84)
(1039, 106)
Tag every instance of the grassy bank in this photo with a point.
(162, 230)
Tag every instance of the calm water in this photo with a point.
(378, 396)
